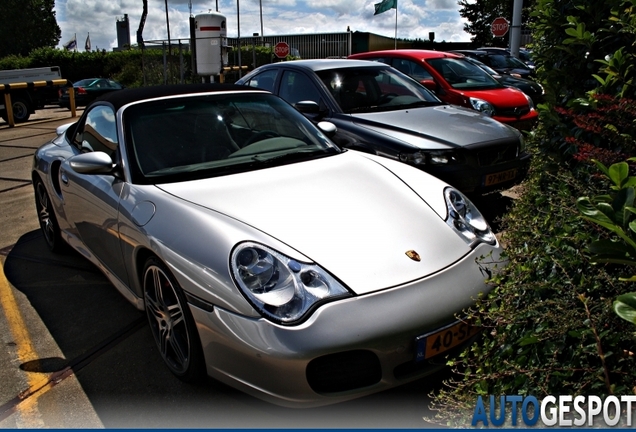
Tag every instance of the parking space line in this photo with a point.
(25, 350)
(25, 403)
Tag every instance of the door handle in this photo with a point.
(64, 177)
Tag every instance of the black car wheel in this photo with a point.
(20, 110)
(171, 323)
(46, 217)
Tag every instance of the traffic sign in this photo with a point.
(281, 50)
(499, 27)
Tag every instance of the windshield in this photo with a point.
(506, 62)
(484, 66)
(375, 89)
(193, 137)
(463, 75)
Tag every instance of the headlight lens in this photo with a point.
(441, 157)
(280, 288)
(522, 144)
(445, 158)
(530, 102)
(466, 220)
(482, 106)
(417, 158)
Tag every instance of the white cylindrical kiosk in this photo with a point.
(211, 43)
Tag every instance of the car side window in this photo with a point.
(98, 133)
(412, 69)
(296, 87)
(264, 81)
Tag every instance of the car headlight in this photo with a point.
(522, 144)
(441, 157)
(280, 288)
(417, 158)
(482, 106)
(466, 220)
(530, 102)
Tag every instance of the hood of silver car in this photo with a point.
(437, 127)
(347, 213)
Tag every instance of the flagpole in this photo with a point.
(395, 47)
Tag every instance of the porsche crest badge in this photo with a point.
(413, 255)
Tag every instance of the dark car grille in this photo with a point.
(497, 155)
(344, 371)
(514, 112)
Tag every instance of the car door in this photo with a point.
(91, 201)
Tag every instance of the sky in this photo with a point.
(415, 18)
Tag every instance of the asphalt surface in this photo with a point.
(76, 354)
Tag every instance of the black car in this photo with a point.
(501, 61)
(378, 109)
(533, 89)
(525, 55)
(87, 90)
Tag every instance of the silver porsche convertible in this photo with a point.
(263, 254)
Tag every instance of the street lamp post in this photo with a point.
(168, 28)
(238, 24)
(260, 2)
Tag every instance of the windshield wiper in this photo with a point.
(421, 104)
(292, 156)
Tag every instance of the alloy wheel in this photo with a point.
(166, 316)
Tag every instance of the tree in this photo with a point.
(26, 25)
(481, 13)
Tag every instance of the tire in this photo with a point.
(46, 216)
(21, 111)
(171, 322)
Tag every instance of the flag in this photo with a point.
(384, 6)
(72, 44)
(87, 45)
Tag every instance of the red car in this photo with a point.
(457, 81)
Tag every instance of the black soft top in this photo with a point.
(120, 98)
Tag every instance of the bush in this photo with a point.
(549, 325)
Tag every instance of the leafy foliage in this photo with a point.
(598, 127)
(134, 67)
(27, 25)
(616, 213)
(549, 324)
(585, 58)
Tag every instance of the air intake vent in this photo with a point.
(344, 371)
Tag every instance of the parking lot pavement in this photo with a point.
(49, 113)
(29, 388)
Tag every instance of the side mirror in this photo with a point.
(92, 163)
(328, 128)
(307, 107)
(429, 84)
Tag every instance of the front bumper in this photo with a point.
(368, 341)
(472, 178)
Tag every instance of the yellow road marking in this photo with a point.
(29, 414)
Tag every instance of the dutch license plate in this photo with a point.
(432, 344)
(500, 177)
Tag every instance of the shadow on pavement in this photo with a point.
(125, 379)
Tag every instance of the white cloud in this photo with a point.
(415, 19)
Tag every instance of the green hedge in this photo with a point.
(133, 68)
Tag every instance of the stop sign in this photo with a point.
(499, 27)
(281, 50)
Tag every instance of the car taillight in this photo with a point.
(80, 90)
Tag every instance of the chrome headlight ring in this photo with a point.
(466, 220)
(280, 288)
(482, 106)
